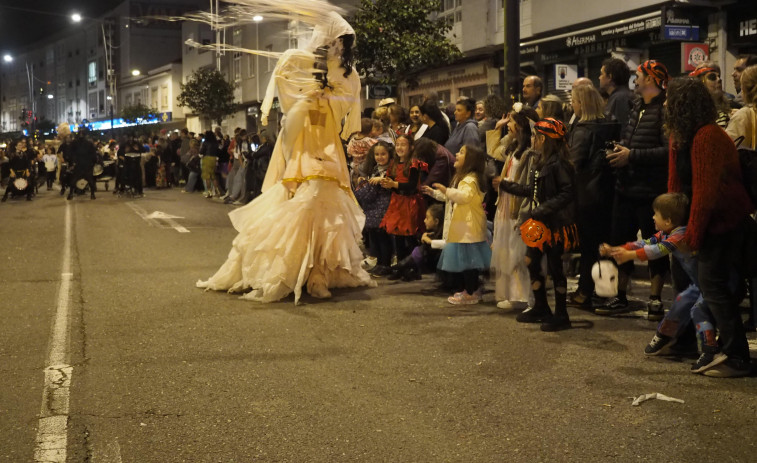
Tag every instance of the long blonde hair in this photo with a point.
(592, 106)
(749, 84)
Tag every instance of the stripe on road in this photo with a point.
(52, 430)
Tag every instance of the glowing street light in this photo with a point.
(50, 96)
(257, 18)
(7, 58)
(76, 17)
(135, 72)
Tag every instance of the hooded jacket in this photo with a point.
(464, 134)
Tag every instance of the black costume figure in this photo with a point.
(84, 156)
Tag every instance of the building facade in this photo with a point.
(560, 42)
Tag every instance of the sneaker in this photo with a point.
(533, 315)
(655, 312)
(464, 298)
(659, 345)
(556, 324)
(729, 368)
(369, 262)
(708, 360)
(381, 271)
(505, 305)
(614, 306)
(579, 300)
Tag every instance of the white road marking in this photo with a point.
(154, 218)
(52, 430)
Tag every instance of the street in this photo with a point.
(161, 371)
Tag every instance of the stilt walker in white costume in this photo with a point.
(304, 229)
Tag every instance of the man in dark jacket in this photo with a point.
(641, 164)
(84, 156)
(613, 80)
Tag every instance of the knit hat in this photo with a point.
(656, 71)
(551, 128)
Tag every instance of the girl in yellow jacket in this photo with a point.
(465, 250)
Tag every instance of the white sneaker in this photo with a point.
(505, 305)
(369, 262)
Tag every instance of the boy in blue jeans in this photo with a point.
(670, 217)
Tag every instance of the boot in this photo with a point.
(560, 321)
(411, 274)
(397, 272)
(92, 196)
(540, 312)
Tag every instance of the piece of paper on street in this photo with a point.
(655, 395)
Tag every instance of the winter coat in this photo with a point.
(646, 175)
(595, 179)
(554, 200)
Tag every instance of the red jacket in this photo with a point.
(719, 201)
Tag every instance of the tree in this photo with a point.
(396, 39)
(208, 94)
(138, 113)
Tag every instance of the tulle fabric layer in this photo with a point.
(508, 267)
(284, 244)
(458, 257)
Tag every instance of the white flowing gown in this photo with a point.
(305, 228)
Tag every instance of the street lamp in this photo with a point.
(135, 72)
(76, 17)
(7, 58)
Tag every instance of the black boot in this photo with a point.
(411, 274)
(540, 312)
(397, 272)
(560, 321)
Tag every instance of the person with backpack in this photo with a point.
(704, 165)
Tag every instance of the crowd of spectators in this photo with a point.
(437, 183)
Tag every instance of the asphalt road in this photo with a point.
(164, 372)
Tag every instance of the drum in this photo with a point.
(97, 170)
(50, 166)
(20, 184)
(109, 169)
(81, 184)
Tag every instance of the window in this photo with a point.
(128, 100)
(164, 98)
(237, 71)
(101, 99)
(92, 101)
(92, 73)
(271, 63)
(154, 95)
(250, 66)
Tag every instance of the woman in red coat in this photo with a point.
(704, 165)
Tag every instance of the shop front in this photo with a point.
(658, 33)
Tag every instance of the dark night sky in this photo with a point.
(40, 18)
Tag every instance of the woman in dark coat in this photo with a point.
(595, 183)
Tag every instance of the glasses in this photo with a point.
(712, 76)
